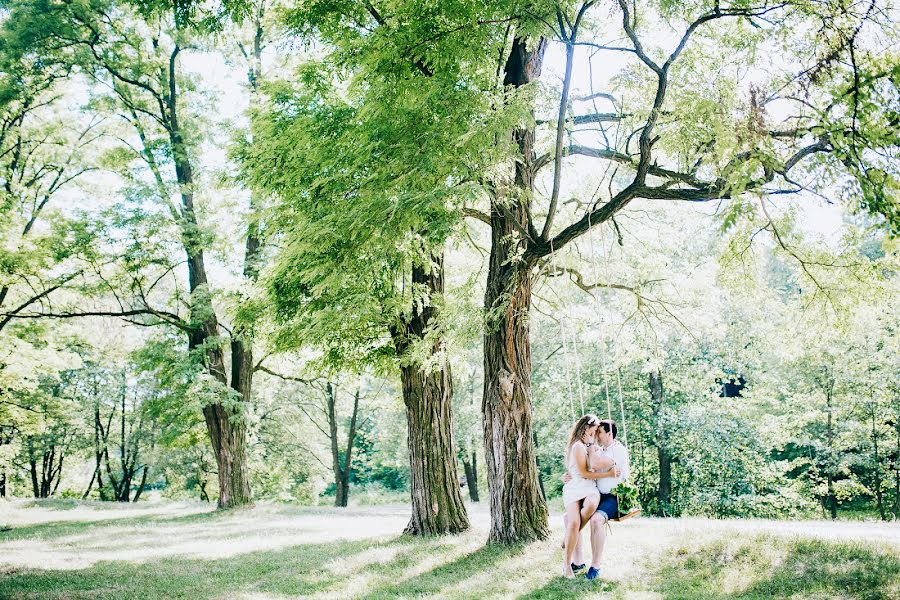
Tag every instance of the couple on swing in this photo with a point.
(595, 463)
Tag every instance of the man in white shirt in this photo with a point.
(609, 446)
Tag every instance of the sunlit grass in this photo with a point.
(88, 550)
(769, 567)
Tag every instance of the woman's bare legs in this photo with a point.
(588, 508)
(572, 521)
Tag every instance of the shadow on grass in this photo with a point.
(768, 567)
(50, 529)
(296, 570)
(442, 576)
(559, 587)
(60, 528)
(299, 570)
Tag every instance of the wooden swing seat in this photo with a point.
(629, 515)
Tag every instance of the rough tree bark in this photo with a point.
(437, 504)
(518, 510)
(664, 489)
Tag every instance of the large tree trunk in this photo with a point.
(437, 504)
(518, 510)
(664, 489)
(242, 368)
(228, 434)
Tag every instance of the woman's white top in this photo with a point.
(578, 487)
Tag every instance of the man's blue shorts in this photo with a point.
(609, 506)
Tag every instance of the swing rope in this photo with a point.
(603, 365)
(562, 334)
(622, 406)
(618, 368)
(570, 347)
(578, 371)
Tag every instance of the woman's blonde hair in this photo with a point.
(581, 425)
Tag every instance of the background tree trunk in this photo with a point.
(876, 476)
(226, 424)
(341, 465)
(895, 464)
(518, 510)
(36, 490)
(45, 477)
(470, 466)
(348, 452)
(5, 439)
(664, 488)
(341, 474)
(143, 483)
(437, 504)
(830, 499)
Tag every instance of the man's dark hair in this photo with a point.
(606, 424)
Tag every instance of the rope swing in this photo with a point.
(570, 346)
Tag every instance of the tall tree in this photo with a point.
(135, 55)
(356, 282)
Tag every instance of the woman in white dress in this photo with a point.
(580, 494)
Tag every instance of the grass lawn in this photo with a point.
(67, 549)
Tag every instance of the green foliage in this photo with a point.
(626, 494)
(367, 184)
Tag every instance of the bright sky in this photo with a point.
(229, 81)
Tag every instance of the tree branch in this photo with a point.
(476, 214)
